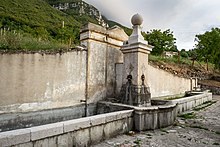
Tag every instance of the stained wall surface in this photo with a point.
(30, 82)
(103, 55)
(163, 83)
(33, 81)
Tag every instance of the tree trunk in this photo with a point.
(178, 57)
(207, 65)
(193, 61)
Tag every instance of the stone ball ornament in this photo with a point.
(137, 19)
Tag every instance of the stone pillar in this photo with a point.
(103, 52)
(136, 51)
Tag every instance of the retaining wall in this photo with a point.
(213, 89)
(30, 82)
(38, 81)
(163, 83)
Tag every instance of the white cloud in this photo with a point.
(185, 18)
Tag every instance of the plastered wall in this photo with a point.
(33, 82)
(103, 54)
(30, 82)
(163, 83)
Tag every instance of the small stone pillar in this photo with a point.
(136, 51)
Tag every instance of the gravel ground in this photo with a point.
(201, 130)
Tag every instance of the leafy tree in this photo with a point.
(208, 47)
(1, 24)
(161, 40)
(184, 54)
(193, 56)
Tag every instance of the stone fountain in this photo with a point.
(136, 92)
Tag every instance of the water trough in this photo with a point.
(110, 119)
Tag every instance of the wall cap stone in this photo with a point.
(14, 137)
(45, 131)
(76, 124)
(115, 32)
(192, 98)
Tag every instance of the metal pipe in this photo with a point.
(86, 87)
(79, 48)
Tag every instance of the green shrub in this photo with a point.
(184, 54)
(12, 41)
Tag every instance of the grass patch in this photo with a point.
(138, 142)
(183, 61)
(148, 134)
(190, 115)
(204, 105)
(163, 130)
(38, 18)
(12, 42)
(203, 128)
(200, 127)
(169, 60)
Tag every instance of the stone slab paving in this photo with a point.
(202, 130)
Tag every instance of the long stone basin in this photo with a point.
(74, 132)
(64, 127)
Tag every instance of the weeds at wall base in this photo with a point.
(190, 115)
(204, 105)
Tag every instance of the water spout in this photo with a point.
(135, 95)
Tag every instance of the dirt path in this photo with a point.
(201, 130)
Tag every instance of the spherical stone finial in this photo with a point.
(136, 19)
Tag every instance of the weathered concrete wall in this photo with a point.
(213, 89)
(35, 82)
(162, 83)
(103, 54)
(32, 81)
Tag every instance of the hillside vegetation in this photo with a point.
(36, 25)
(35, 17)
(184, 67)
(53, 2)
(34, 13)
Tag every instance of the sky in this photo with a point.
(185, 18)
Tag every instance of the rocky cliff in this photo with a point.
(80, 8)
